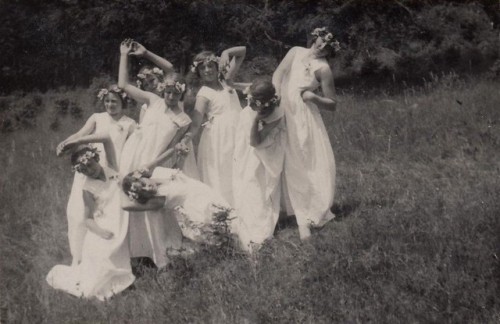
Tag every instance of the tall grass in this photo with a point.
(415, 240)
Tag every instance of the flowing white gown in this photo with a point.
(104, 270)
(309, 162)
(191, 201)
(216, 147)
(257, 175)
(74, 211)
(150, 233)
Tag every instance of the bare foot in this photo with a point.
(304, 232)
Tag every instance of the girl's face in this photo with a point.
(208, 71)
(149, 188)
(92, 169)
(113, 104)
(171, 95)
(150, 83)
(320, 47)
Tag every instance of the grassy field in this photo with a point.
(416, 237)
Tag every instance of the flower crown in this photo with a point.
(327, 38)
(104, 92)
(156, 72)
(84, 159)
(208, 59)
(270, 103)
(179, 87)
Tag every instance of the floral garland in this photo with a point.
(211, 58)
(114, 89)
(271, 102)
(156, 72)
(83, 160)
(179, 87)
(327, 38)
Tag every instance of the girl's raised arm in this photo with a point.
(103, 138)
(233, 57)
(141, 51)
(134, 92)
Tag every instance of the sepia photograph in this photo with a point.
(250, 161)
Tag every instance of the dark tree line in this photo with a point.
(54, 43)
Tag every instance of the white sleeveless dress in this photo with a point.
(150, 234)
(74, 211)
(309, 170)
(216, 147)
(257, 175)
(105, 266)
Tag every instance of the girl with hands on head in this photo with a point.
(216, 110)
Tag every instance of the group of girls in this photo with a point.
(141, 190)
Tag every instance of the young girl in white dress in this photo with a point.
(162, 126)
(216, 109)
(258, 162)
(104, 269)
(198, 207)
(309, 170)
(120, 127)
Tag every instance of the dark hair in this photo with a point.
(81, 151)
(262, 89)
(127, 182)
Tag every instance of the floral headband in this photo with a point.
(84, 159)
(270, 103)
(211, 58)
(157, 72)
(327, 38)
(104, 92)
(179, 87)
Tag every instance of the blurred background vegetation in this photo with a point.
(53, 43)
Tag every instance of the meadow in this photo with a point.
(415, 239)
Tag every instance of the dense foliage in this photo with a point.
(68, 42)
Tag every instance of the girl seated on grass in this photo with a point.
(104, 269)
(258, 162)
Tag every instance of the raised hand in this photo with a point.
(126, 46)
(137, 49)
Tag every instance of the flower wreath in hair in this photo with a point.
(135, 187)
(84, 159)
(157, 72)
(212, 58)
(179, 87)
(273, 102)
(327, 38)
(103, 92)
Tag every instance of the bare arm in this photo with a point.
(134, 92)
(282, 69)
(200, 108)
(327, 101)
(87, 129)
(89, 207)
(159, 61)
(103, 138)
(233, 56)
(256, 136)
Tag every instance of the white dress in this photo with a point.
(257, 175)
(216, 147)
(192, 202)
(118, 131)
(309, 162)
(150, 234)
(105, 266)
